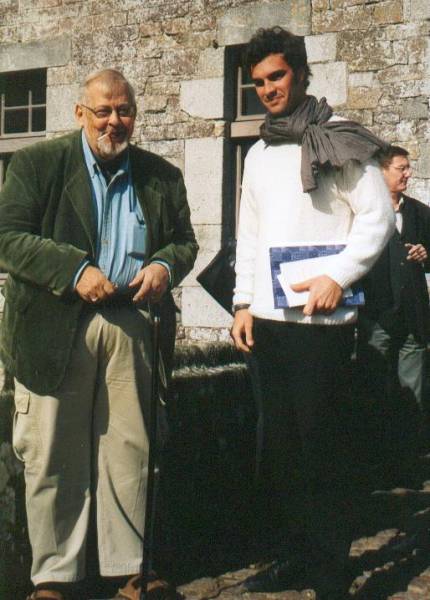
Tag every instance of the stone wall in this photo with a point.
(371, 58)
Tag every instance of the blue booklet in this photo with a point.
(288, 254)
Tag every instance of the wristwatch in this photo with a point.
(237, 307)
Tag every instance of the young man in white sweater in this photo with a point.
(310, 181)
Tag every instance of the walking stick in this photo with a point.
(148, 539)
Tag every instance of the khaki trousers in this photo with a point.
(86, 443)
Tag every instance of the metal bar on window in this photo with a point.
(2, 110)
(22, 106)
(30, 111)
(238, 187)
(239, 93)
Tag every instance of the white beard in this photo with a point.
(107, 149)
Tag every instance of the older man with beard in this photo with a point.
(92, 230)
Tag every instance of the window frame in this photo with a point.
(13, 141)
(244, 129)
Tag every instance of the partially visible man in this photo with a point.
(394, 323)
(309, 181)
(92, 231)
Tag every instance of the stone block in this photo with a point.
(415, 108)
(404, 73)
(211, 63)
(158, 87)
(35, 55)
(423, 163)
(203, 178)
(320, 5)
(200, 310)
(188, 130)
(203, 98)
(419, 189)
(209, 240)
(420, 10)
(207, 335)
(176, 26)
(179, 62)
(388, 12)
(60, 103)
(8, 35)
(362, 79)
(330, 80)
(165, 148)
(238, 24)
(32, 4)
(365, 51)
(62, 75)
(363, 97)
(365, 117)
(405, 130)
(355, 18)
(321, 48)
(416, 49)
(152, 104)
(407, 30)
(386, 117)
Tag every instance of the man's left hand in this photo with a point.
(416, 252)
(324, 294)
(152, 281)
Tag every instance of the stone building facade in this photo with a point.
(370, 58)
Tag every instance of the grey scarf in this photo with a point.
(324, 144)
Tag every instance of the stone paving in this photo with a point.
(390, 564)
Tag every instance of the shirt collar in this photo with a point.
(91, 162)
(401, 204)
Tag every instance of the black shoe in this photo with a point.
(278, 577)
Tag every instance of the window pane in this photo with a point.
(251, 105)
(36, 82)
(16, 86)
(246, 76)
(39, 119)
(16, 91)
(16, 121)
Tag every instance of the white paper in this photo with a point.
(297, 271)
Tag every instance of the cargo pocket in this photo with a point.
(20, 432)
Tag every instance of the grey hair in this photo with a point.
(109, 77)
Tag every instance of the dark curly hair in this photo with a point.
(277, 40)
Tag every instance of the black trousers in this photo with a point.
(302, 376)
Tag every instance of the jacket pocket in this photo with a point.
(21, 432)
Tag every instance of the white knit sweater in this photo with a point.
(351, 206)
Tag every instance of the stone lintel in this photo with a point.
(35, 55)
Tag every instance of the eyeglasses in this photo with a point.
(105, 112)
(403, 170)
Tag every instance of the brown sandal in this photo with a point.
(158, 589)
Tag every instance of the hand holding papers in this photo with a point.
(295, 264)
(301, 270)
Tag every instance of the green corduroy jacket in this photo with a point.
(47, 227)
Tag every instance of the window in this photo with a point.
(22, 108)
(246, 113)
(22, 115)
